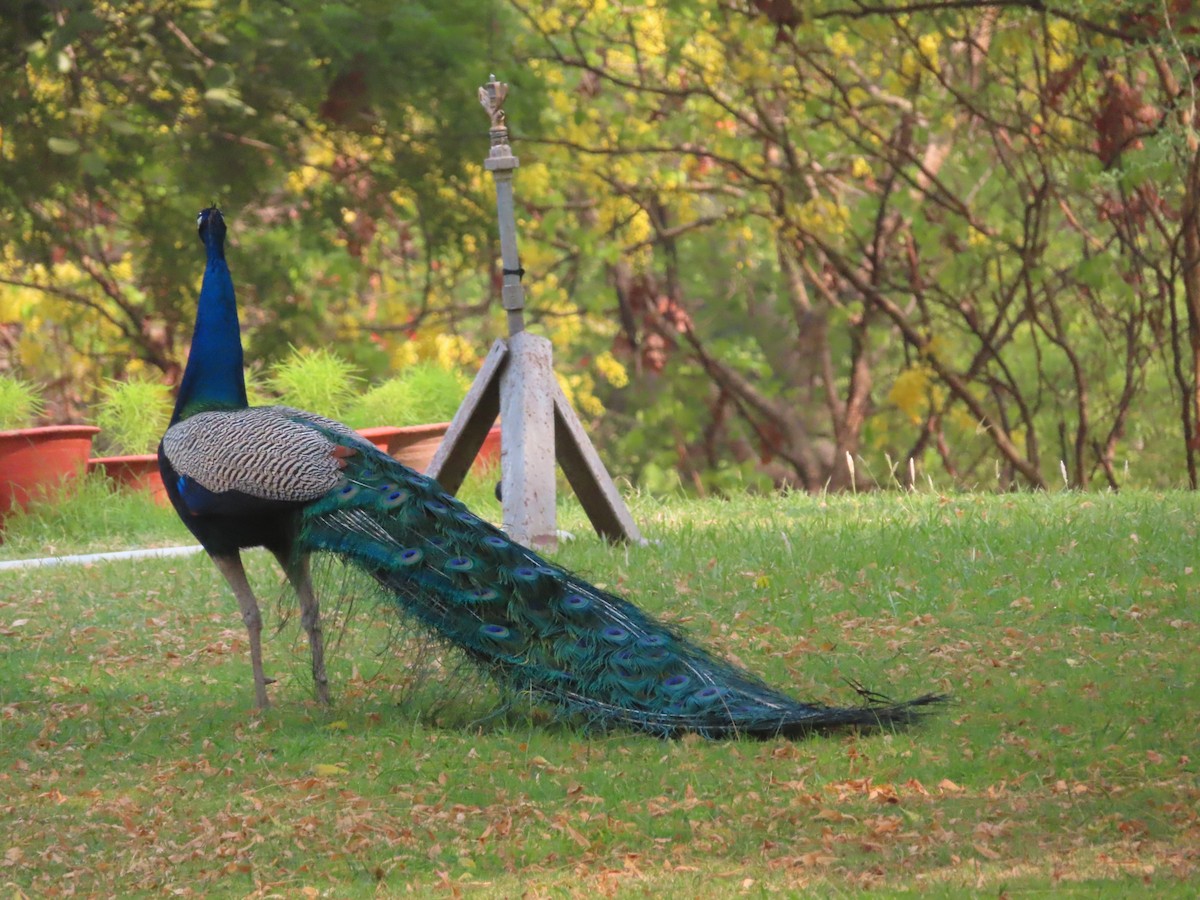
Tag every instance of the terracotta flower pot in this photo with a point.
(415, 445)
(138, 472)
(35, 460)
(489, 453)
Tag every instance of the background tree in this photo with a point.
(347, 174)
(949, 231)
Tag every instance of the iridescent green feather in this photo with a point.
(537, 627)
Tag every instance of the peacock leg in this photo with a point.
(310, 618)
(231, 568)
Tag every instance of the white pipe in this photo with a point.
(85, 558)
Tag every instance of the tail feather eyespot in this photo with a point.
(615, 634)
(707, 696)
(501, 634)
(676, 684)
(575, 604)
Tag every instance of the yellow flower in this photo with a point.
(611, 369)
(910, 392)
(928, 44)
(838, 44)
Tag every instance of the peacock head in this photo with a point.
(211, 225)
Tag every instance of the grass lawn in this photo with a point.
(1066, 626)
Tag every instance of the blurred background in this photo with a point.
(774, 243)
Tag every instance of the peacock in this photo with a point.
(300, 484)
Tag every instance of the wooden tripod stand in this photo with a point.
(516, 382)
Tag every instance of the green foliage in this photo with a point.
(316, 381)
(425, 392)
(332, 135)
(133, 414)
(814, 206)
(20, 403)
(772, 216)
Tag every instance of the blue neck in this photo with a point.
(213, 378)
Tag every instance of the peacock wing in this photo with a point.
(266, 453)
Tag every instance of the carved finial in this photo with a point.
(500, 158)
(492, 95)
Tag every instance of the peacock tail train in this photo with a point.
(537, 627)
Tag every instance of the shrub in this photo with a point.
(316, 381)
(424, 392)
(20, 403)
(133, 415)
